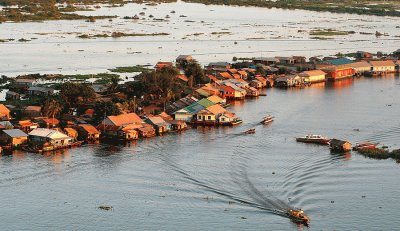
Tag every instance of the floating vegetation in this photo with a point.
(137, 68)
(221, 33)
(380, 153)
(330, 32)
(119, 34)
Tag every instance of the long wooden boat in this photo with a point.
(50, 148)
(250, 131)
(298, 215)
(316, 139)
(364, 146)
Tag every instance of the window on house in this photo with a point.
(209, 117)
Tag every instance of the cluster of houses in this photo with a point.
(205, 106)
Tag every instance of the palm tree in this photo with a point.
(51, 108)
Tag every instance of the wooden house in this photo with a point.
(219, 65)
(48, 137)
(13, 137)
(252, 92)
(4, 113)
(26, 125)
(23, 83)
(227, 118)
(210, 115)
(40, 91)
(71, 133)
(288, 81)
(314, 76)
(178, 125)
(266, 60)
(262, 80)
(11, 95)
(183, 60)
(256, 84)
(340, 145)
(48, 122)
(161, 65)
(123, 126)
(159, 124)
(88, 132)
(361, 67)
(4, 125)
(32, 111)
(146, 131)
(386, 66)
(224, 75)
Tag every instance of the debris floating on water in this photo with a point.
(105, 207)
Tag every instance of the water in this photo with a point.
(219, 178)
(55, 48)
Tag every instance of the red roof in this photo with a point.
(182, 77)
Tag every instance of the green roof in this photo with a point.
(340, 61)
(205, 103)
(194, 108)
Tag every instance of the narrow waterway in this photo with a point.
(219, 178)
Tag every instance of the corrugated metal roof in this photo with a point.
(205, 103)
(15, 133)
(44, 132)
(340, 61)
(194, 108)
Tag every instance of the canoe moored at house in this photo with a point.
(340, 145)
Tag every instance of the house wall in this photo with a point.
(184, 117)
(206, 117)
(19, 140)
(316, 78)
(384, 68)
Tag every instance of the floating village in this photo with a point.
(169, 97)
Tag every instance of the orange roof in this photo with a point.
(25, 122)
(232, 70)
(89, 128)
(385, 63)
(182, 77)
(124, 119)
(212, 77)
(4, 109)
(225, 75)
(165, 116)
(71, 132)
(216, 109)
(243, 73)
(261, 79)
(359, 64)
(161, 65)
(51, 121)
(229, 114)
(314, 73)
(236, 76)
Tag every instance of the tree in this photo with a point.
(51, 108)
(114, 83)
(193, 69)
(260, 70)
(103, 109)
(74, 94)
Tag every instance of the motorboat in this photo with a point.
(298, 215)
(317, 139)
(267, 119)
(250, 131)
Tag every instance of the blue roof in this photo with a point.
(341, 61)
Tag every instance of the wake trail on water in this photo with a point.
(267, 205)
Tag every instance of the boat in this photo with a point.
(316, 139)
(250, 131)
(298, 215)
(268, 119)
(236, 122)
(364, 146)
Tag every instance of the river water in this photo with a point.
(208, 33)
(220, 179)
